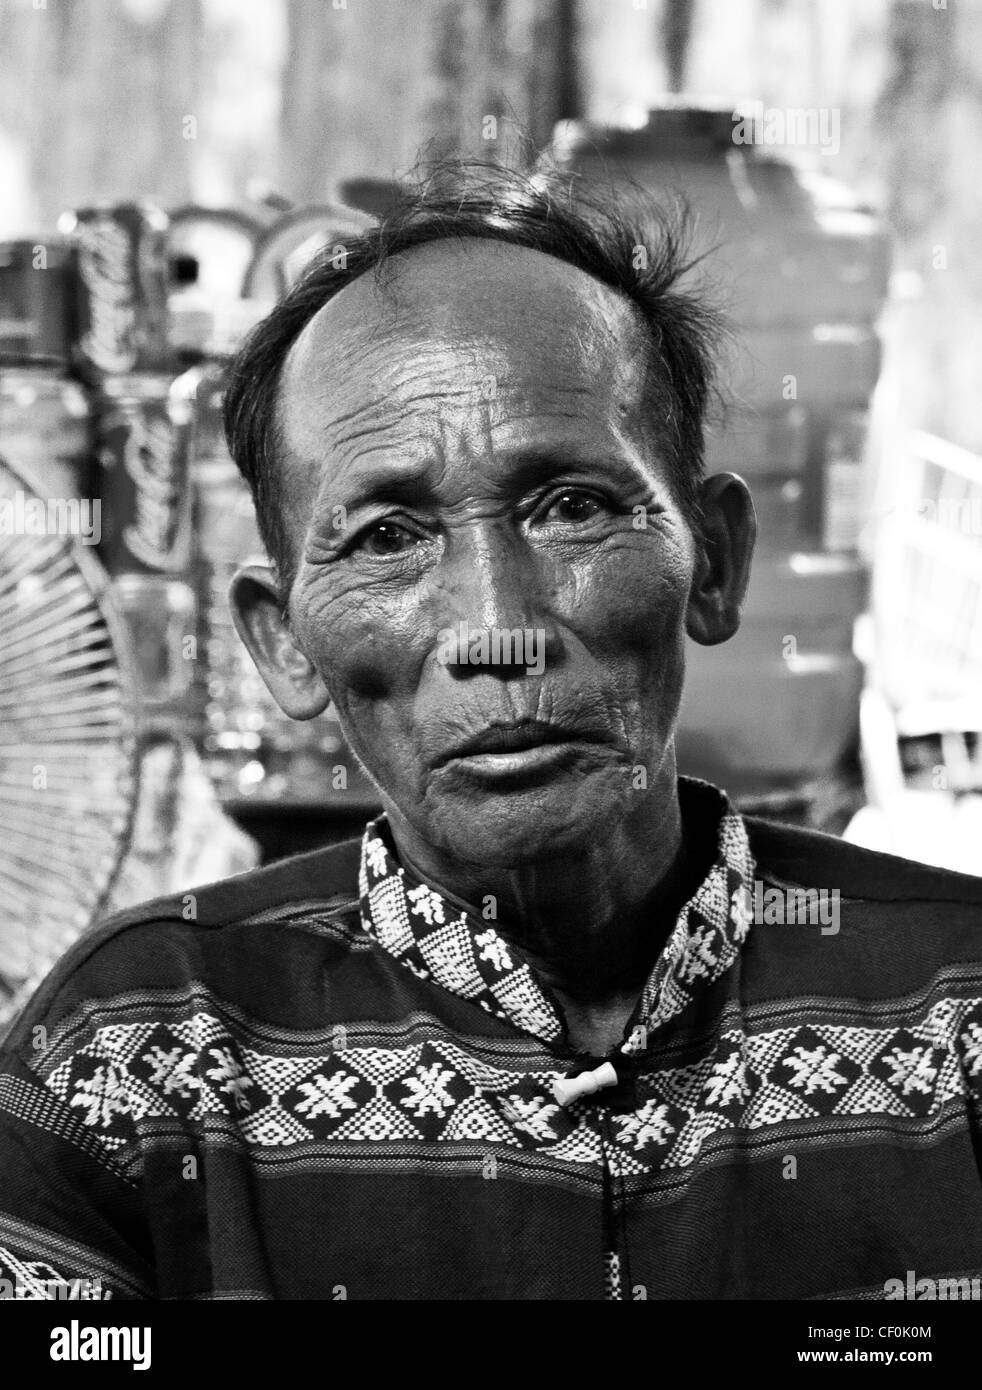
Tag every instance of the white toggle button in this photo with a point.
(570, 1088)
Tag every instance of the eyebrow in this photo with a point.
(409, 483)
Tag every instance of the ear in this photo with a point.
(257, 610)
(725, 540)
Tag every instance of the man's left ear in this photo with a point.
(725, 546)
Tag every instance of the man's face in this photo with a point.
(472, 443)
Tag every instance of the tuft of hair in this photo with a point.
(618, 234)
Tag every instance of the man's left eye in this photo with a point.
(574, 507)
(387, 538)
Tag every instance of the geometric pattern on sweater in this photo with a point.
(435, 940)
(613, 1288)
(132, 1082)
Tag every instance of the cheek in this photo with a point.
(633, 600)
(364, 647)
(630, 616)
(365, 653)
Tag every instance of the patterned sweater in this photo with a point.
(323, 1079)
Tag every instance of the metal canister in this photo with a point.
(143, 427)
(37, 294)
(122, 287)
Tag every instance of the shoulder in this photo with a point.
(897, 925)
(227, 935)
(809, 858)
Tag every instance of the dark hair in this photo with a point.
(621, 238)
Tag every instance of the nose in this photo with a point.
(493, 605)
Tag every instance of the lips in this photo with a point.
(516, 737)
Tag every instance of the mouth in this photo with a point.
(519, 750)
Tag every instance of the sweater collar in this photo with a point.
(432, 937)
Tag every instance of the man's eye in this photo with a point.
(387, 538)
(573, 506)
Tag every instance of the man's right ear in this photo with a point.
(290, 677)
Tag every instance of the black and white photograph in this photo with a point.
(491, 666)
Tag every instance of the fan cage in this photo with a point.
(68, 740)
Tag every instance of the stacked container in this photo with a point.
(141, 422)
(252, 750)
(803, 272)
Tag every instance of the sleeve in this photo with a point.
(72, 1220)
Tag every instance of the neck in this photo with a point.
(593, 922)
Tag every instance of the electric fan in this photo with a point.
(68, 746)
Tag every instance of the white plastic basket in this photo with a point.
(927, 587)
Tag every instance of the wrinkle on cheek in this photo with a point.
(629, 594)
(362, 667)
(320, 610)
(356, 644)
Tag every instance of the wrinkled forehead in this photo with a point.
(459, 322)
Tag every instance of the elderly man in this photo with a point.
(537, 1034)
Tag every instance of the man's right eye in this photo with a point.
(387, 538)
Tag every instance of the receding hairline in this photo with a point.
(621, 238)
(380, 287)
(384, 283)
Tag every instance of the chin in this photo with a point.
(519, 827)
